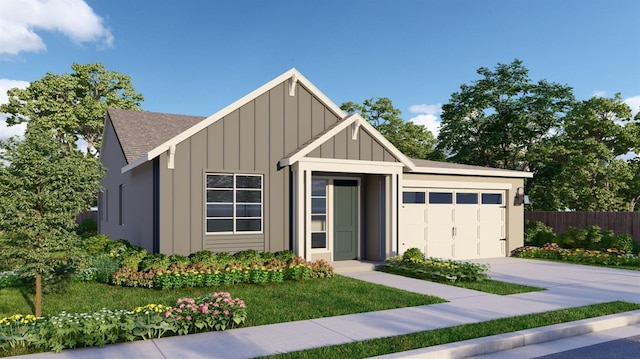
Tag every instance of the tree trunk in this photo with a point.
(38, 294)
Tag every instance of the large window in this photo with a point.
(233, 203)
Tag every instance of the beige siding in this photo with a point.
(343, 146)
(137, 227)
(251, 139)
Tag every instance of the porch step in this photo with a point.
(355, 266)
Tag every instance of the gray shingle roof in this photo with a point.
(140, 131)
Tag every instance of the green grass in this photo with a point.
(498, 287)
(267, 304)
(487, 286)
(382, 346)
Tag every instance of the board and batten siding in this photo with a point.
(251, 139)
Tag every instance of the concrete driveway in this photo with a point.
(580, 284)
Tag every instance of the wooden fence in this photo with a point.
(87, 214)
(618, 222)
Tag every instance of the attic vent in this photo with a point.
(293, 81)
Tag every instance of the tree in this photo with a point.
(74, 104)
(411, 139)
(498, 119)
(583, 162)
(42, 190)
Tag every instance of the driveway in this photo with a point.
(578, 284)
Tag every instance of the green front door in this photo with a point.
(345, 219)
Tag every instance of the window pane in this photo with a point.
(318, 223)
(244, 196)
(318, 205)
(441, 197)
(219, 210)
(466, 198)
(219, 225)
(224, 196)
(412, 197)
(318, 240)
(248, 210)
(249, 182)
(492, 198)
(319, 187)
(248, 225)
(219, 181)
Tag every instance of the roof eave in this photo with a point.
(472, 172)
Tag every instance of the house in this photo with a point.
(285, 168)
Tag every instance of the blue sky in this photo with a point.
(197, 56)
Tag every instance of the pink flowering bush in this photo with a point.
(217, 311)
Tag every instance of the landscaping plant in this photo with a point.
(414, 264)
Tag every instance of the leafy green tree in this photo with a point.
(43, 187)
(499, 118)
(74, 104)
(411, 139)
(582, 168)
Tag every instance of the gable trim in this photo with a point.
(357, 122)
(472, 172)
(295, 79)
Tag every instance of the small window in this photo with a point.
(466, 198)
(440, 197)
(233, 203)
(492, 198)
(413, 197)
(121, 205)
(319, 213)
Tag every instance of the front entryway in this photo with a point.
(345, 219)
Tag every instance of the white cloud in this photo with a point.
(634, 103)
(599, 94)
(21, 19)
(6, 132)
(428, 115)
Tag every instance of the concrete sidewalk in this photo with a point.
(567, 286)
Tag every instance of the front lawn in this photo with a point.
(266, 304)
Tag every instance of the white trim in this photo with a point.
(171, 154)
(350, 166)
(407, 184)
(293, 81)
(300, 79)
(355, 129)
(472, 172)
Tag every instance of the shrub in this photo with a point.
(154, 261)
(204, 256)
(248, 256)
(623, 242)
(537, 233)
(88, 227)
(95, 245)
(9, 279)
(132, 256)
(438, 270)
(179, 259)
(321, 269)
(413, 255)
(609, 257)
(285, 256)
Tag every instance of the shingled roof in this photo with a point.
(141, 131)
(427, 166)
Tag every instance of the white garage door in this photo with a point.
(462, 224)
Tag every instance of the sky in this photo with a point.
(195, 57)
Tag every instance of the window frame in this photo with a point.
(235, 204)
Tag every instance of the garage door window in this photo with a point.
(413, 197)
(466, 198)
(440, 198)
(492, 198)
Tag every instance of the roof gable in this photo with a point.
(293, 77)
(354, 120)
(139, 131)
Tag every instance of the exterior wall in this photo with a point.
(137, 206)
(515, 214)
(251, 139)
(342, 146)
(375, 219)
